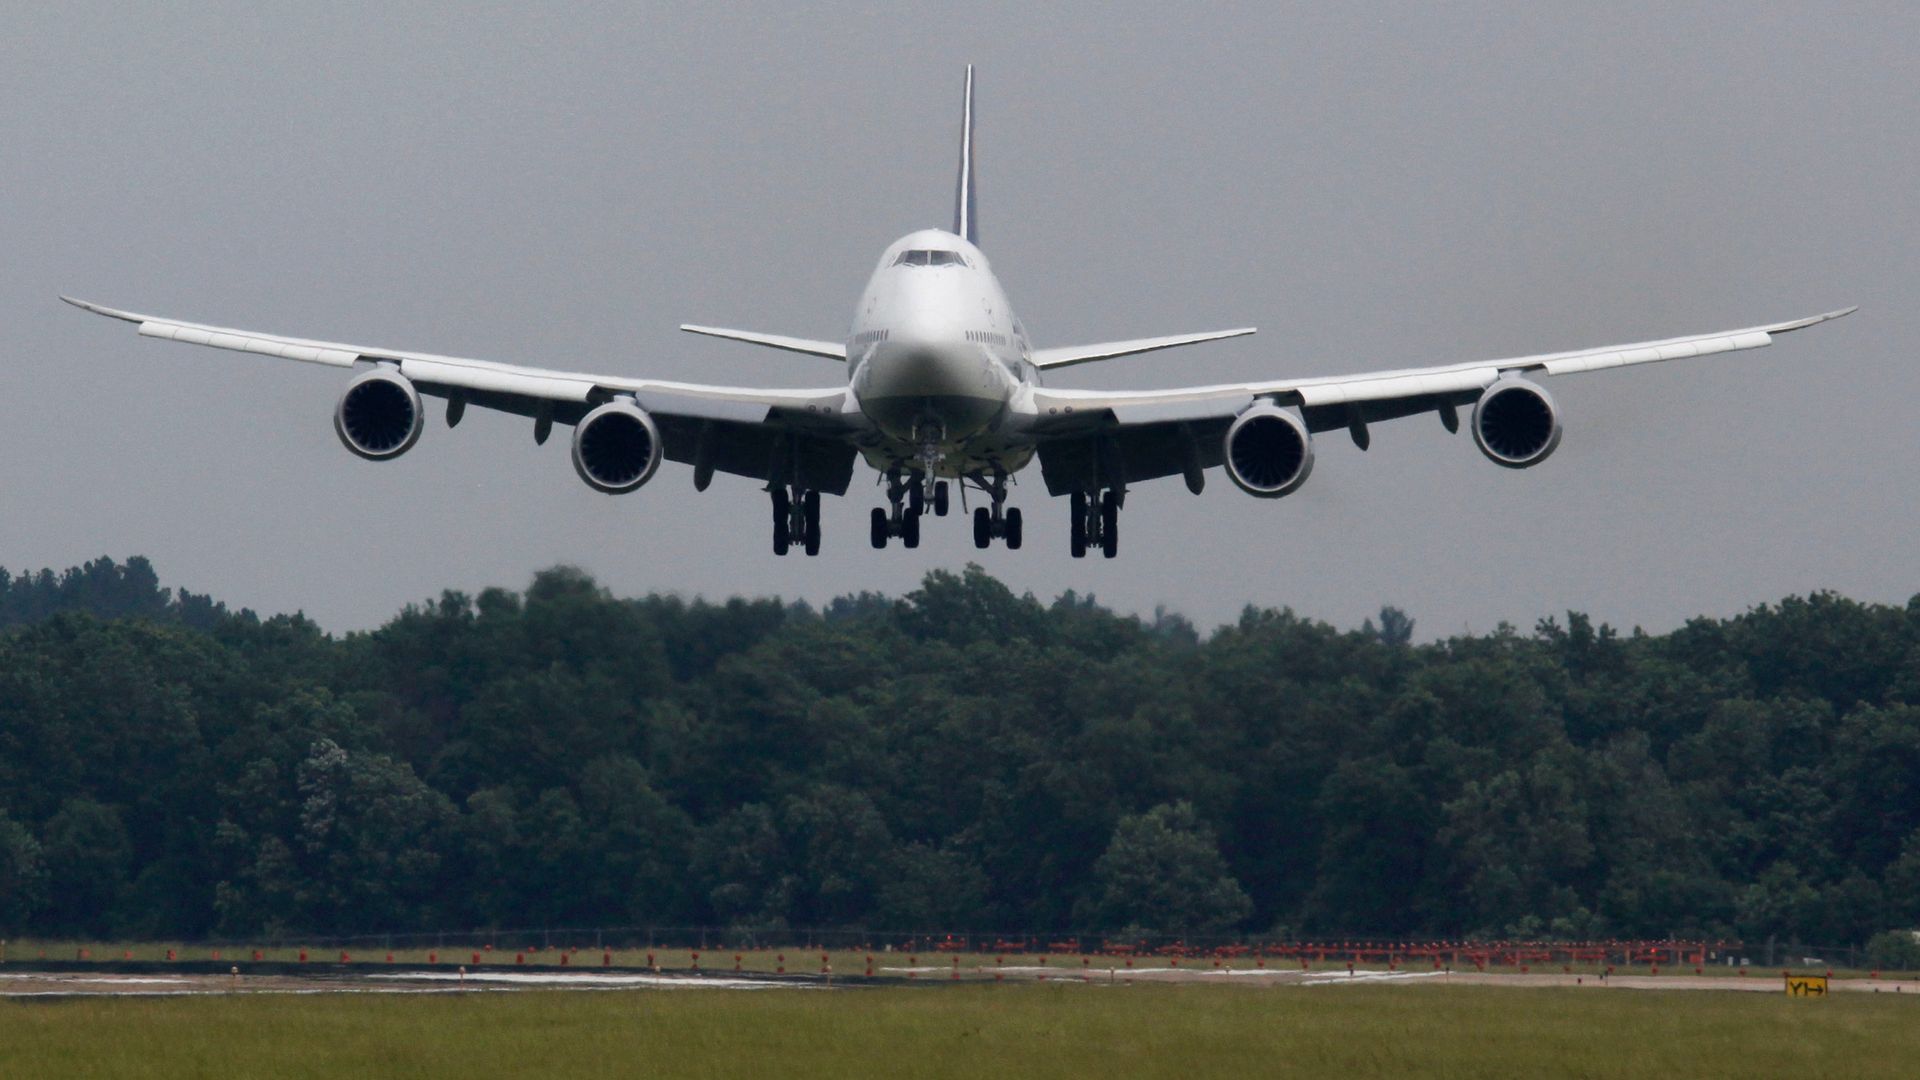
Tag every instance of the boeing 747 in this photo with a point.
(943, 389)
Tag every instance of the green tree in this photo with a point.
(86, 853)
(1780, 904)
(371, 840)
(962, 755)
(23, 879)
(638, 846)
(1894, 950)
(927, 889)
(1163, 873)
(741, 863)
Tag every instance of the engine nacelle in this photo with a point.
(1268, 452)
(616, 447)
(379, 416)
(1515, 424)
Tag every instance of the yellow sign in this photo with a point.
(1807, 986)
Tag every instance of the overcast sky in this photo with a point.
(1373, 186)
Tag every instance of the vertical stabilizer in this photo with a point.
(965, 224)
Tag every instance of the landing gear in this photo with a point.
(907, 502)
(796, 519)
(930, 490)
(1095, 523)
(998, 521)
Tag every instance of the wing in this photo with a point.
(1442, 379)
(1162, 432)
(1080, 354)
(754, 432)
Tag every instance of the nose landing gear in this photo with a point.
(796, 519)
(928, 489)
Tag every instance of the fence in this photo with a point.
(1380, 951)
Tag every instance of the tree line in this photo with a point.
(957, 758)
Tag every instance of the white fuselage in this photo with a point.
(936, 358)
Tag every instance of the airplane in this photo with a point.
(943, 386)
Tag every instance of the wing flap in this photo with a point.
(236, 341)
(492, 380)
(1396, 386)
(1752, 339)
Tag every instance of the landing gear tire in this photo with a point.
(982, 527)
(940, 499)
(880, 530)
(1109, 525)
(916, 500)
(1013, 529)
(1077, 525)
(782, 515)
(910, 529)
(810, 503)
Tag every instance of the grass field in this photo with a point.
(979, 1030)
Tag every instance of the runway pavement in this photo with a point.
(143, 980)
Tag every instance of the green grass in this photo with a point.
(1028, 1030)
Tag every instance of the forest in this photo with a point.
(959, 758)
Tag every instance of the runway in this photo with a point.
(28, 984)
(280, 979)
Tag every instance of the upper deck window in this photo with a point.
(926, 257)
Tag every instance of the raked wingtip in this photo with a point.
(1811, 320)
(102, 309)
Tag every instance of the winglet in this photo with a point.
(1814, 320)
(965, 223)
(100, 309)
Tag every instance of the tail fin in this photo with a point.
(965, 223)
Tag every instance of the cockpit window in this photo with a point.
(925, 257)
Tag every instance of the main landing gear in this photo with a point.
(907, 500)
(796, 519)
(1000, 522)
(1095, 523)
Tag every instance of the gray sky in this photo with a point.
(1372, 186)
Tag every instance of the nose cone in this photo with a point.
(917, 385)
(926, 352)
(924, 368)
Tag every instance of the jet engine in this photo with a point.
(616, 447)
(1515, 424)
(379, 415)
(1268, 452)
